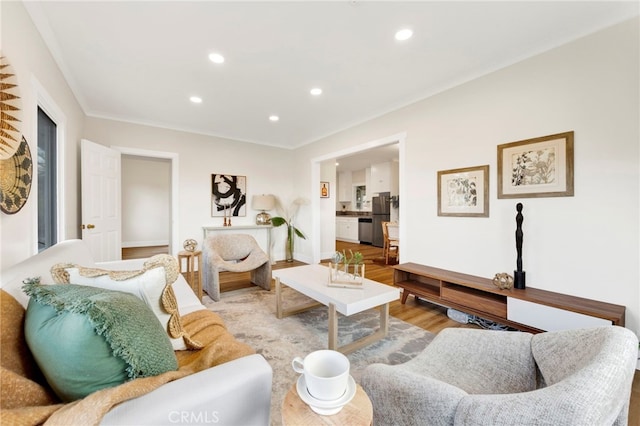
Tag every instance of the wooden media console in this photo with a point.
(528, 309)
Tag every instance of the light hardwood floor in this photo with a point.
(143, 252)
(422, 314)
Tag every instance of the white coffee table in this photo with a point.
(312, 280)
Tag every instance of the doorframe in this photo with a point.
(399, 138)
(46, 103)
(174, 245)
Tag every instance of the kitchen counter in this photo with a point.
(354, 226)
(353, 213)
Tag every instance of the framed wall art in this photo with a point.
(228, 195)
(324, 189)
(539, 167)
(464, 192)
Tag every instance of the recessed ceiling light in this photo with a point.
(316, 91)
(196, 99)
(216, 58)
(274, 118)
(404, 34)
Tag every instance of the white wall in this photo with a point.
(327, 210)
(586, 245)
(39, 78)
(146, 201)
(268, 171)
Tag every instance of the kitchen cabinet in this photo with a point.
(347, 229)
(345, 187)
(380, 178)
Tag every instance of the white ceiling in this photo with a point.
(140, 61)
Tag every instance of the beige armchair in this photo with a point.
(484, 377)
(233, 253)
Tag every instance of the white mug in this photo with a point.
(326, 373)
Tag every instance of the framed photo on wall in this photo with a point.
(540, 167)
(464, 192)
(228, 195)
(324, 189)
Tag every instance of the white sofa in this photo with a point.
(234, 393)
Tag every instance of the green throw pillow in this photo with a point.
(85, 339)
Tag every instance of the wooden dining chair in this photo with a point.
(391, 246)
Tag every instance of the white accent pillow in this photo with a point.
(152, 284)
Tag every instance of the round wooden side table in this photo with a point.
(358, 411)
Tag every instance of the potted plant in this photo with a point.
(356, 259)
(286, 218)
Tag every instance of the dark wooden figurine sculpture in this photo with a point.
(518, 274)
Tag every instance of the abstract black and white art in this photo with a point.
(228, 195)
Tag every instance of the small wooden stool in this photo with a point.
(358, 411)
(190, 257)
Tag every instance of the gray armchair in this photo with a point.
(485, 377)
(233, 253)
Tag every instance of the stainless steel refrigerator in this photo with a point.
(380, 212)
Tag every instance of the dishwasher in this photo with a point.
(365, 230)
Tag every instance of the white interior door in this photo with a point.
(101, 202)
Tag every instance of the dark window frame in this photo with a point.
(47, 169)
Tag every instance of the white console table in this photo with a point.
(262, 234)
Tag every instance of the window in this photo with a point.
(47, 172)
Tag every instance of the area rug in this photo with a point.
(250, 315)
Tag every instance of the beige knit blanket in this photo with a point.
(24, 401)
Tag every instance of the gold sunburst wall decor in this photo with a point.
(10, 111)
(16, 175)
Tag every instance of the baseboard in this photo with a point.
(327, 255)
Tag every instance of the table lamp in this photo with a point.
(263, 202)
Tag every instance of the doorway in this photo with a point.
(146, 203)
(324, 220)
(159, 165)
